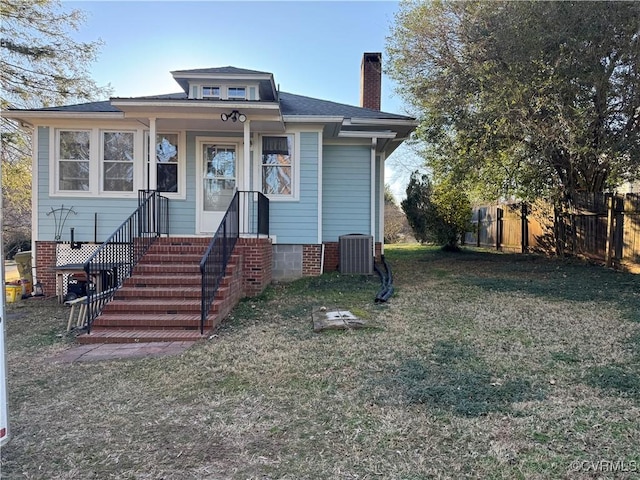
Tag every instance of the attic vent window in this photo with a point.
(210, 92)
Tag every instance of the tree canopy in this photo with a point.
(523, 98)
(40, 65)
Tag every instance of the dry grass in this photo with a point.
(481, 366)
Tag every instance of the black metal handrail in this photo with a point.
(215, 259)
(248, 214)
(254, 211)
(114, 260)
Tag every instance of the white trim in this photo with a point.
(294, 196)
(381, 121)
(365, 134)
(314, 119)
(372, 174)
(213, 76)
(151, 164)
(181, 194)
(34, 189)
(101, 161)
(246, 181)
(199, 141)
(57, 115)
(206, 104)
(95, 161)
(320, 184)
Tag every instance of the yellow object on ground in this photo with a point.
(13, 293)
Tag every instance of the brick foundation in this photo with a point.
(311, 260)
(257, 258)
(331, 256)
(45, 261)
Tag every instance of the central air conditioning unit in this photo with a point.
(356, 254)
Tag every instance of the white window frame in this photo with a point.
(101, 162)
(95, 161)
(181, 194)
(236, 97)
(206, 96)
(55, 185)
(295, 168)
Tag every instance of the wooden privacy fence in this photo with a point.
(602, 227)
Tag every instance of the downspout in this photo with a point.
(374, 142)
(381, 204)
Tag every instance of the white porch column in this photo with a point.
(246, 177)
(153, 170)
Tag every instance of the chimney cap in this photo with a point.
(372, 57)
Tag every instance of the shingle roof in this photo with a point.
(220, 70)
(290, 104)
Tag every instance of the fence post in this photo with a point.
(524, 228)
(479, 227)
(499, 227)
(610, 230)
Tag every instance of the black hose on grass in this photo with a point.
(386, 280)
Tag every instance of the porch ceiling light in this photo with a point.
(234, 116)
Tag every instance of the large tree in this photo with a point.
(523, 98)
(40, 65)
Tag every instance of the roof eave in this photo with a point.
(23, 115)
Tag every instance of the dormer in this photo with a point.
(227, 84)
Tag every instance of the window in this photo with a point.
(117, 161)
(74, 149)
(210, 92)
(277, 169)
(167, 162)
(236, 93)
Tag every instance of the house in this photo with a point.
(317, 165)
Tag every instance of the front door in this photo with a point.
(218, 181)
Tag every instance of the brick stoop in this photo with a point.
(160, 302)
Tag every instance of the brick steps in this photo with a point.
(150, 321)
(101, 335)
(161, 302)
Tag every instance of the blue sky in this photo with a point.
(312, 48)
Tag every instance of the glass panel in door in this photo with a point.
(219, 177)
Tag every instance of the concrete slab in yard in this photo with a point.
(334, 319)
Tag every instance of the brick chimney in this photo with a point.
(371, 80)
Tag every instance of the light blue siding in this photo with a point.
(54, 217)
(346, 191)
(297, 222)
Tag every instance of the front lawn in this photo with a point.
(482, 365)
